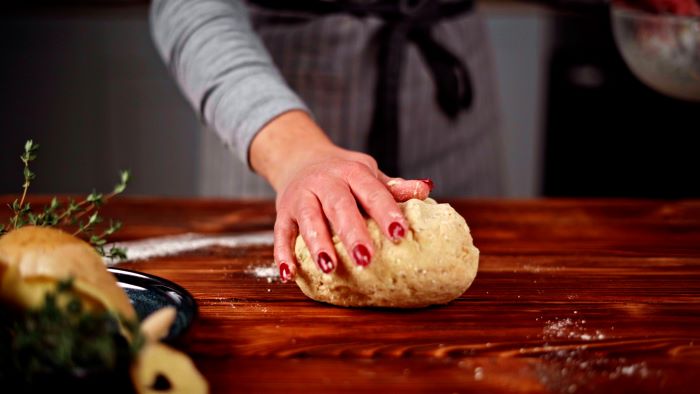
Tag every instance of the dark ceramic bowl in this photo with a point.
(149, 293)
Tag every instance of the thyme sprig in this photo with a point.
(69, 213)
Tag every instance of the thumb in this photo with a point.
(403, 189)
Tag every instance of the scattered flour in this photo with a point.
(569, 328)
(170, 245)
(569, 369)
(268, 272)
(478, 373)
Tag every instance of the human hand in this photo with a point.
(327, 191)
(321, 184)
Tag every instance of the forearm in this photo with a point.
(221, 66)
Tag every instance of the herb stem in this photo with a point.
(55, 214)
(65, 215)
(24, 195)
(29, 154)
(15, 219)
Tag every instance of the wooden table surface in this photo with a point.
(571, 296)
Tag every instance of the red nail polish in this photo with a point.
(361, 255)
(428, 182)
(396, 231)
(285, 272)
(325, 263)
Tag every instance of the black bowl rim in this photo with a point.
(150, 279)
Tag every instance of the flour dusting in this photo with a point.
(568, 368)
(171, 245)
(569, 328)
(269, 272)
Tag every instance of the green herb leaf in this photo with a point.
(117, 253)
(124, 177)
(52, 214)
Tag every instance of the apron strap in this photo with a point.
(406, 21)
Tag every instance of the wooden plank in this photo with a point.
(571, 296)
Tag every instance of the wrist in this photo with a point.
(288, 142)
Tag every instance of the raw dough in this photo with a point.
(434, 264)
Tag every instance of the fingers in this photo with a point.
(285, 236)
(380, 205)
(404, 190)
(314, 230)
(341, 210)
(329, 193)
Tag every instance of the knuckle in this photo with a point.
(280, 252)
(341, 204)
(367, 161)
(281, 249)
(285, 200)
(282, 225)
(314, 178)
(364, 158)
(355, 168)
(376, 197)
(306, 213)
(280, 229)
(306, 224)
(352, 228)
(283, 231)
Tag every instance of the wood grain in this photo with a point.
(571, 296)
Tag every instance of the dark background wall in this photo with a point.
(607, 134)
(86, 84)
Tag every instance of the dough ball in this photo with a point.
(434, 264)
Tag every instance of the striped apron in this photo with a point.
(330, 61)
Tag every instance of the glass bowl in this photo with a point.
(662, 50)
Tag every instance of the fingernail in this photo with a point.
(428, 182)
(361, 255)
(396, 231)
(285, 272)
(325, 263)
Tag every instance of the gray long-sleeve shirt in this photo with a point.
(221, 66)
(330, 61)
